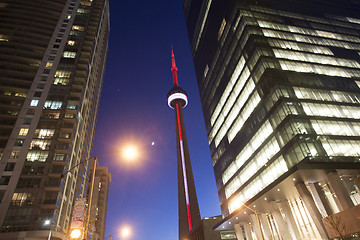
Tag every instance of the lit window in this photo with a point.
(59, 157)
(49, 64)
(21, 199)
(313, 58)
(54, 115)
(353, 20)
(19, 142)
(62, 73)
(357, 83)
(61, 81)
(52, 105)
(82, 11)
(44, 133)
(71, 42)
(71, 106)
(14, 154)
(34, 103)
(23, 131)
(37, 155)
(20, 95)
(222, 27)
(67, 54)
(2, 37)
(206, 70)
(68, 115)
(77, 27)
(38, 144)
(85, 3)
(264, 179)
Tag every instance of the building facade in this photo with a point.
(279, 83)
(99, 201)
(53, 56)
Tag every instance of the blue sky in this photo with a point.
(134, 109)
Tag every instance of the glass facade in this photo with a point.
(280, 95)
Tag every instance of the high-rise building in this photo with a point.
(279, 84)
(52, 56)
(99, 203)
(189, 213)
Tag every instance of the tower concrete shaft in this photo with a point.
(189, 214)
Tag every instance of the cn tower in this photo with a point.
(189, 214)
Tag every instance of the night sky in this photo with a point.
(133, 109)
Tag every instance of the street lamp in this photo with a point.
(125, 232)
(76, 233)
(129, 153)
(47, 222)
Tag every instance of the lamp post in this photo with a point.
(47, 222)
(129, 153)
(258, 220)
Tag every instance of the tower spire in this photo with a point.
(189, 213)
(174, 68)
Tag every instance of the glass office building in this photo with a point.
(280, 88)
(52, 56)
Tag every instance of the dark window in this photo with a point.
(37, 94)
(56, 46)
(58, 40)
(4, 180)
(41, 86)
(30, 112)
(10, 167)
(46, 71)
(27, 121)
(2, 192)
(51, 58)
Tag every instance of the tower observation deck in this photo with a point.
(189, 214)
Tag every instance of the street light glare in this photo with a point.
(130, 153)
(125, 232)
(75, 233)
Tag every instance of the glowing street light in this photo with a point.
(47, 222)
(76, 233)
(125, 232)
(130, 152)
